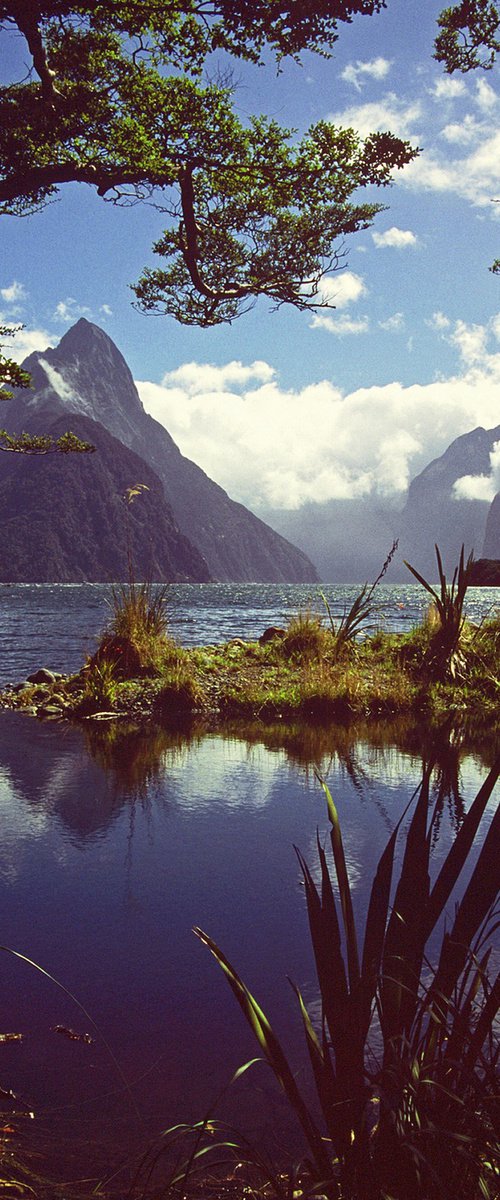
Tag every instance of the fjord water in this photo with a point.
(56, 625)
(116, 842)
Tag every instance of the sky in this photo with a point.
(284, 408)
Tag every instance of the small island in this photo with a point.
(314, 669)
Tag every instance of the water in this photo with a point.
(113, 847)
(115, 843)
(57, 625)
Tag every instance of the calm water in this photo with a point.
(112, 850)
(56, 625)
(114, 843)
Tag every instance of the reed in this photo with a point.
(405, 1061)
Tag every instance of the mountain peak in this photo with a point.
(86, 373)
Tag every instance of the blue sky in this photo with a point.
(282, 408)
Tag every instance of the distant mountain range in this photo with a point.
(64, 518)
(349, 539)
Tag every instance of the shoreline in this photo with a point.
(274, 680)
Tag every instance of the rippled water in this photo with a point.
(56, 625)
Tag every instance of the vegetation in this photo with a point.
(116, 100)
(299, 675)
(445, 651)
(405, 1058)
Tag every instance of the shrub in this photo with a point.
(181, 693)
(136, 639)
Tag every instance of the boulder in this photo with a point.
(42, 676)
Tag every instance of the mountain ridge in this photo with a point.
(86, 374)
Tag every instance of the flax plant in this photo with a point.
(404, 1062)
(444, 651)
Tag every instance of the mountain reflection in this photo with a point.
(86, 777)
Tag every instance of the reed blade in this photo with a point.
(273, 1052)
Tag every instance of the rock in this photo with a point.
(271, 634)
(485, 573)
(50, 710)
(42, 676)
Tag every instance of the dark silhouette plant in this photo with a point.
(405, 1061)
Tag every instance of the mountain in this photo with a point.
(349, 539)
(64, 519)
(86, 374)
(491, 545)
(433, 513)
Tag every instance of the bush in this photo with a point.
(136, 640)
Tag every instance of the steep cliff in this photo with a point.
(87, 374)
(64, 518)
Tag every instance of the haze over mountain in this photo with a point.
(448, 504)
(87, 375)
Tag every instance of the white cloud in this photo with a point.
(26, 341)
(470, 341)
(466, 130)
(481, 487)
(341, 326)
(106, 310)
(474, 174)
(69, 310)
(439, 322)
(14, 294)
(204, 377)
(357, 73)
(278, 447)
(393, 324)
(398, 238)
(342, 289)
(486, 97)
(390, 113)
(446, 88)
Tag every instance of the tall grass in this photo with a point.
(136, 638)
(405, 1061)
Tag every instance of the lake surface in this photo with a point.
(115, 842)
(56, 625)
(112, 850)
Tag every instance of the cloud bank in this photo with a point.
(270, 446)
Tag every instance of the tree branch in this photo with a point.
(39, 179)
(27, 17)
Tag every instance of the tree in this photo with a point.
(468, 36)
(14, 376)
(469, 39)
(116, 99)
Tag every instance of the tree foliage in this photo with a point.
(11, 374)
(469, 35)
(118, 98)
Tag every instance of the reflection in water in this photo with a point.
(117, 841)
